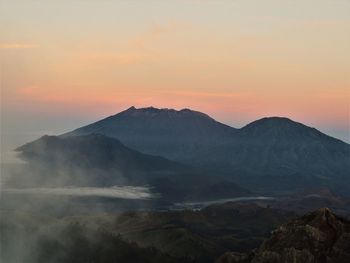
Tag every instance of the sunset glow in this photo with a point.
(235, 60)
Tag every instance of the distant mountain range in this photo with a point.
(271, 154)
(268, 154)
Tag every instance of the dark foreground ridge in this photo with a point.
(320, 236)
(177, 236)
(196, 236)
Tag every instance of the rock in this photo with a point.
(318, 237)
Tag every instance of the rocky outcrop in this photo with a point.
(318, 237)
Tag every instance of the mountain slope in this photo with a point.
(280, 143)
(94, 159)
(287, 154)
(320, 236)
(176, 135)
(100, 161)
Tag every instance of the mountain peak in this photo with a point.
(175, 134)
(274, 121)
(131, 108)
(153, 112)
(280, 127)
(277, 119)
(321, 218)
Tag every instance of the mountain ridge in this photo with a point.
(176, 135)
(270, 154)
(153, 111)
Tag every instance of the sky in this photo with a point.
(71, 62)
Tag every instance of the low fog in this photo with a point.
(39, 195)
(123, 192)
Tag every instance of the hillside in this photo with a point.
(176, 135)
(96, 160)
(278, 153)
(93, 160)
(176, 236)
(271, 154)
(320, 236)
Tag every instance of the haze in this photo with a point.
(68, 63)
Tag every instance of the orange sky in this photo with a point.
(66, 63)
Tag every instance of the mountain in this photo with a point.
(286, 154)
(281, 143)
(320, 236)
(94, 160)
(177, 135)
(100, 161)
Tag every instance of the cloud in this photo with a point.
(17, 46)
(123, 192)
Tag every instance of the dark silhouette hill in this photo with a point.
(99, 161)
(176, 135)
(95, 159)
(284, 154)
(270, 154)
